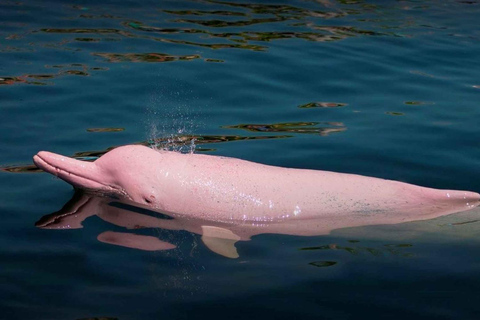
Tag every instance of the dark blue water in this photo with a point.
(389, 89)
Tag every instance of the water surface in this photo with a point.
(385, 89)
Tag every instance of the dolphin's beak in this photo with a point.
(80, 174)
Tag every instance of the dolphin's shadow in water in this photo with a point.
(219, 237)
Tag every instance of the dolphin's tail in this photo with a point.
(440, 202)
(453, 196)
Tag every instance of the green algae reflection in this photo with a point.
(105, 129)
(418, 103)
(230, 22)
(87, 31)
(324, 129)
(204, 13)
(395, 113)
(322, 105)
(387, 249)
(318, 34)
(42, 79)
(281, 10)
(223, 23)
(322, 264)
(143, 57)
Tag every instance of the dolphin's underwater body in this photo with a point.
(231, 190)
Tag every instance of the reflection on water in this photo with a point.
(462, 223)
(214, 60)
(393, 249)
(99, 318)
(221, 23)
(322, 105)
(395, 113)
(143, 57)
(105, 129)
(87, 30)
(322, 264)
(217, 236)
(245, 26)
(418, 103)
(29, 168)
(87, 39)
(279, 10)
(42, 79)
(319, 33)
(397, 250)
(220, 237)
(10, 80)
(295, 127)
(204, 13)
(282, 13)
(424, 74)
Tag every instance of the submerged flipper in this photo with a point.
(221, 241)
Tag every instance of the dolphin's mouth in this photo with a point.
(78, 173)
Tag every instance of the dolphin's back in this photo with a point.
(238, 189)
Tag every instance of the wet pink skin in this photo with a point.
(219, 237)
(227, 189)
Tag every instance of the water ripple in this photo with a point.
(325, 129)
(143, 57)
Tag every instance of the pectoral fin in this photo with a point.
(221, 241)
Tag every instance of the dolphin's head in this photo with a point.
(127, 172)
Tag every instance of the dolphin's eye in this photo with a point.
(147, 200)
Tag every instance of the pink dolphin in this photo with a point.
(228, 190)
(219, 237)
